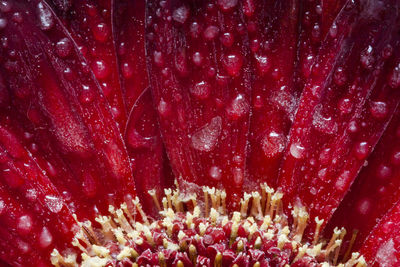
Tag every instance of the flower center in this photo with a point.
(194, 234)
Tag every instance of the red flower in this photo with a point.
(199, 133)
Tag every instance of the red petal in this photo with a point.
(376, 189)
(147, 152)
(33, 216)
(339, 121)
(64, 105)
(273, 38)
(129, 39)
(90, 25)
(382, 247)
(201, 85)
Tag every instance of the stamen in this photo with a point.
(259, 223)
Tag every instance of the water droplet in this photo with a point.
(238, 107)
(227, 39)
(164, 109)
(233, 64)
(201, 90)
(181, 14)
(343, 181)
(17, 17)
(89, 185)
(345, 106)
(387, 51)
(51, 170)
(87, 95)
(367, 58)
(100, 69)
(158, 58)
(101, 32)
(210, 32)
(53, 203)
(127, 70)
(383, 172)
(273, 144)
(248, 7)
(263, 64)
(379, 110)
(226, 5)
(297, 150)
(361, 150)
(215, 173)
(254, 45)
(195, 30)
(31, 194)
(316, 31)
(325, 156)
(322, 173)
(394, 78)
(257, 102)
(45, 238)
(46, 19)
(23, 246)
(339, 76)
(24, 224)
(324, 124)
(197, 58)
(3, 23)
(206, 138)
(5, 6)
(116, 112)
(396, 158)
(364, 206)
(63, 47)
(181, 63)
(238, 176)
(353, 127)
(333, 30)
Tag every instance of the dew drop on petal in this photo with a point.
(210, 32)
(238, 176)
(127, 70)
(215, 173)
(297, 150)
(201, 90)
(164, 109)
(238, 107)
(100, 69)
(226, 5)
(342, 181)
(345, 106)
(386, 255)
(379, 110)
(367, 58)
(24, 224)
(45, 238)
(101, 32)
(361, 150)
(273, 144)
(227, 39)
(364, 206)
(46, 19)
(263, 64)
(2, 206)
(233, 64)
(63, 47)
(181, 14)
(394, 78)
(53, 203)
(206, 138)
